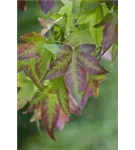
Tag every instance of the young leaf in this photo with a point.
(96, 33)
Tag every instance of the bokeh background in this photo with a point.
(96, 129)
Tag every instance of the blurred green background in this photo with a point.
(96, 129)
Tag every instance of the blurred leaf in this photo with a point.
(80, 37)
(62, 120)
(24, 95)
(21, 4)
(46, 5)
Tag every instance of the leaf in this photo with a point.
(63, 97)
(58, 67)
(92, 88)
(46, 5)
(32, 37)
(25, 93)
(80, 37)
(91, 64)
(33, 57)
(75, 107)
(75, 78)
(74, 67)
(86, 48)
(47, 24)
(31, 72)
(110, 35)
(66, 10)
(111, 3)
(37, 114)
(107, 18)
(26, 51)
(76, 6)
(57, 49)
(21, 5)
(96, 33)
(49, 113)
(62, 120)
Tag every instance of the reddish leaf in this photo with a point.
(49, 114)
(75, 108)
(110, 35)
(21, 4)
(75, 79)
(62, 120)
(58, 67)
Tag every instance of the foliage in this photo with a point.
(59, 67)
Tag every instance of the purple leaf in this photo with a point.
(46, 5)
(62, 120)
(57, 67)
(87, 48)
(75, 78)
(110, 35)
(91, 64)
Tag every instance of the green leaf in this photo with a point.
(33, 57)
(67, 9)
(58, 67)
(32, 37)
(25, 95)
(97, 33)
(49, 113)
(79, 37)
(63, 97)
(76, 6)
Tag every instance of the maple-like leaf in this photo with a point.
(33, 57)
(73, 66)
